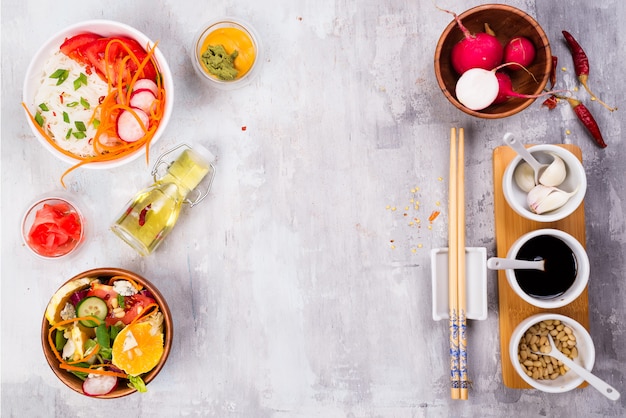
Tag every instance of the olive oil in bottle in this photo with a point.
(150, 216)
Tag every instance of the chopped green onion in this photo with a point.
(72, 104)
(69, 133)
(66, 117)
(44, 107)
(96, 123)
(61, 75)
(80, 81)
(80, 125)
(79, 135)
(39, 119)
(120, 301)
(85, 103)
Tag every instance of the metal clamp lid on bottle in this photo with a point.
(200, 151)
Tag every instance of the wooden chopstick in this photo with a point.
(462, 296)
(456, 268)
(453, 260)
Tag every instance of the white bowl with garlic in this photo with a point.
(560, 189)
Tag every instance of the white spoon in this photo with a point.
(497, 263)
(521, 150)
(603, 387)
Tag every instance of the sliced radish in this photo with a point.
(97, 385)
(142, 99)
(146, 83)
(129, 129)
(477, 88)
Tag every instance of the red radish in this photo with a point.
(477, 88)
(131, 128)
(519, 50)
(97, 385)
(505, 89)
(142, 99)
(481, 50)
(146, 83)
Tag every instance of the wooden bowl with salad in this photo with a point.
(107, 333)
(98, 93)
(500, 35)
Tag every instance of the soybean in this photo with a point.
(543, 367)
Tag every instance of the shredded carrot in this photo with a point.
(93, 370)
(149, 308)
(120, 277)
(59, 325)
(106, 145)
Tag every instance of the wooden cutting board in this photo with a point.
(509, 227)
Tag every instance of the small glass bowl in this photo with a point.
(66, 208)
(196, 53)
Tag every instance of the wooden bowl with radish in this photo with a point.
(475, 61)
(107, 333)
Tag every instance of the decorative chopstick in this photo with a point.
(453, 302)
(462, 295)
(456, 268)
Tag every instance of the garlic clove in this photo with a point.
(542, 199)
(536, 195)
(555, 173)
(524, 176)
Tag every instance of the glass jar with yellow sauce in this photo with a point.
(152, 213)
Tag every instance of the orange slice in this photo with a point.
(138, 348)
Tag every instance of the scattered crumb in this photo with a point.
(433, 216)
(567, 132)
(563, 69)
(243, 128)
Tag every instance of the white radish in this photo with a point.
(142, 99)
(131, 128)
(98, 385)
(146, 83)
(477, 88)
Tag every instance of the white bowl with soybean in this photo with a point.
(575, 180)
(571, 334)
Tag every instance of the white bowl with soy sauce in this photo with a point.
(566, 268)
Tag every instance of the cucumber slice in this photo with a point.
(92, 306)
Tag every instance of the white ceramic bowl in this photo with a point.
(516, 197)
(104, 28)
(584, 345)
(582, 270)
(196, 52)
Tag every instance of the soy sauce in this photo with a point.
(560, 267)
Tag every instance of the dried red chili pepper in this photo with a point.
(585, 116)
(550, 102)
(142, 215)
(581, 66)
